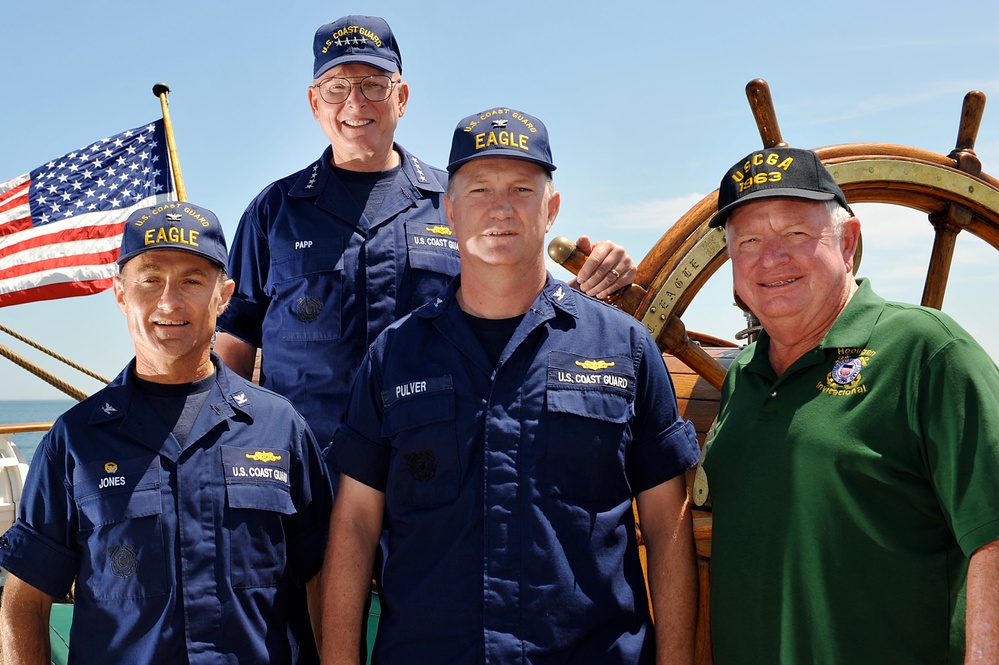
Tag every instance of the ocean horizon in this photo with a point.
(31, 411)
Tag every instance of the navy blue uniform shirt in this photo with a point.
(196, 554)
(316, 280)
(509, 532)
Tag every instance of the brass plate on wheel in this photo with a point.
(693, 263)
(961, 185)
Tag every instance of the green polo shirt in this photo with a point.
(849, 493)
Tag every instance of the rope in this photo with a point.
(52, 379)
(41, 348)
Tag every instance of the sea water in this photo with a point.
(31, 411)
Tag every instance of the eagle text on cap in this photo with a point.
(503, 137)
(177, 235)
(756, 168)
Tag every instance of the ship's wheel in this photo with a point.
(950, 189)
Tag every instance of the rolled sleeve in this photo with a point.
(666, 457)
(35, 559)
(665, 445)
(242, 320)
(363, 460)
(249, 261)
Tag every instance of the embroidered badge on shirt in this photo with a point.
(253, 466)
(422, 465)
(123, 560)
(263, 456)
(847, 374)
(308, 309)
(614, 373)
(439, 238)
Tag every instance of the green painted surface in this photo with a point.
(59, 623)
(374, 614)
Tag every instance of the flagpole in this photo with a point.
(161, 90)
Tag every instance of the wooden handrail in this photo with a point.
(21, 428)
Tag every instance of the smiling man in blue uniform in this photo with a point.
(496, 437)
(326, 258)
(189, 505)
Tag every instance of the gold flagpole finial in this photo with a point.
(161, 90)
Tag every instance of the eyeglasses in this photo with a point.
(375, 88)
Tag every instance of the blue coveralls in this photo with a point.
(316, 280)
(193, 555)
(509, 532)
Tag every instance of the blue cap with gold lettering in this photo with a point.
(174, 225)
(363, 39)
(776, 172)
(500, 132)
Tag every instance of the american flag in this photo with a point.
(61, 224)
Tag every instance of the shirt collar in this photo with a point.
(314, 179)
(112, 403)
(556, 295)
(851, 329)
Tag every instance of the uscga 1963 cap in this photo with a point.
(776, 172)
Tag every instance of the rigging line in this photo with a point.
(55, 355)
(17, 359)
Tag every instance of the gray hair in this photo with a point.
(838, 215)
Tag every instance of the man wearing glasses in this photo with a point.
(326, 258)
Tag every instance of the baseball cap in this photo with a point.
(776, 172)
(175, 225)
(500, 132)
(364, 39)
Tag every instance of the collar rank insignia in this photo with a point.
(559, 294)
(263, 456)
(595, 365)
(437, 303)
(240, 398)
(419, 170)
(108, 409)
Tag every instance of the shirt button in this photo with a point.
(773, 394)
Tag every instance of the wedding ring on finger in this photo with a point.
(616, 274)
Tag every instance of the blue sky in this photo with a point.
(645, 103)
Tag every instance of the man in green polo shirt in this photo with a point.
(854, 473)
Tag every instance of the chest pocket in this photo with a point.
(424, 468)
(589, 407)
(433, 259)
(121, 528)
(258, 501)
(307, 284)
